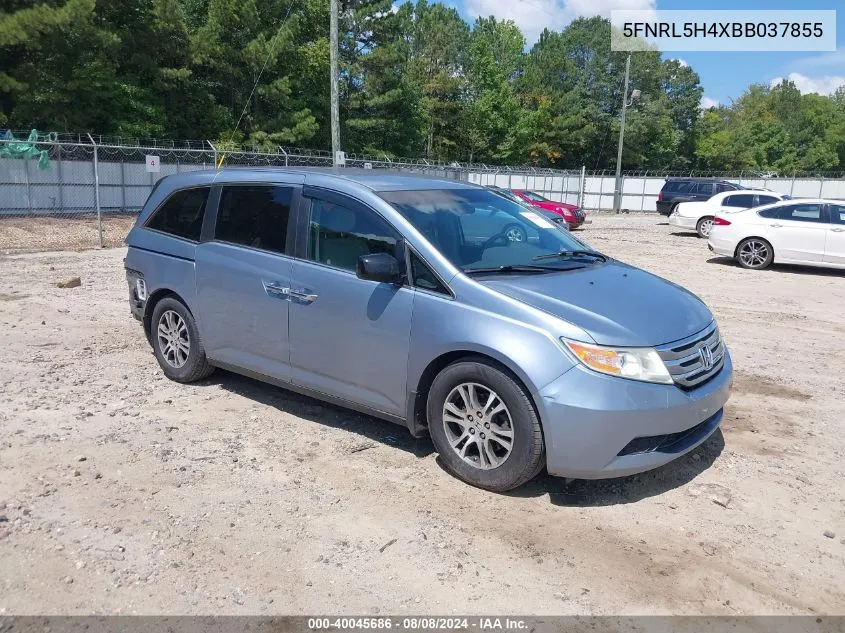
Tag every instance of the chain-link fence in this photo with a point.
(88, 191)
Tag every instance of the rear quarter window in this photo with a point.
(181, 214)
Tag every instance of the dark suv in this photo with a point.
(677, 190)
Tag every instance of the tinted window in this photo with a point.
(702, 189)
(424, 277)
(181, 215)
(771, 214)
(801, 212)
(837, 213)
(677, 186)
(723, 186)
(761, 200)
(339, 234)
(743, 200)
(254, 215)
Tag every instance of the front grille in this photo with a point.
(686, 359)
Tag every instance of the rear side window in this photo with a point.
(796, 212)
(741, 200)
(837, 213)
(766, 200)
(181, 215)
(676, 186)
(255, 216)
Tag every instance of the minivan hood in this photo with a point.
(616, 304)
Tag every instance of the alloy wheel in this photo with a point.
(478, 425)
(173, 339)
(754, 253)
(705, 227)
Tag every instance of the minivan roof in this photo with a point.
(376, 180)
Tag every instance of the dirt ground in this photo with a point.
(122, 492)
(31, 234)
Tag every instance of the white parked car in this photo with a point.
(805, 231)
(698, 216)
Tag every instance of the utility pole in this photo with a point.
(617, 190)
(335, 115)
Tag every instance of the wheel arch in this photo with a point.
(150, 306)
(754, 237)
(416, 416)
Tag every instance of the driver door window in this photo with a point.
(338, 235)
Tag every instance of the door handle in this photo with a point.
(275, 289)
(300, 295)
(837, 230)
(777, 226)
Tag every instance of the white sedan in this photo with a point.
(805, 231)
(698, 216)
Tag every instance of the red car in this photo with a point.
(573, 214)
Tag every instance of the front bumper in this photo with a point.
(598, 426)
(682, 223)
(136, 304)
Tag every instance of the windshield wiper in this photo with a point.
(519, 268)
(569, 254)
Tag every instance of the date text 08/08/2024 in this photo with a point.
(417, 623)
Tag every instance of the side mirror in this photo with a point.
(381, 267)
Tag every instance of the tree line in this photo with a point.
(416, 80)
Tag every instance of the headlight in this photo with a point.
(636, 363)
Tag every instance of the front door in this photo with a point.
(349, 337)
(834, 249)
(242, 277)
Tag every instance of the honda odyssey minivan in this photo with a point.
(409, 299)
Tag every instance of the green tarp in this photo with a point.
(27, 149)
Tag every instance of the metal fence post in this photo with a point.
(821, 186)
(61, 179)
(214, 149)
(282, 150)
(642, 197)
(122, 184)
(97, 190)
(792, 186)
(581, 184)
(28, 185)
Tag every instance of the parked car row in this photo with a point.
(699, 216)
(757, 227)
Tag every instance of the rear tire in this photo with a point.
(498, 450)
(704, 226)
(754, 253)
(176, 342)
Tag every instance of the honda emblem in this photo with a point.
(706, 356)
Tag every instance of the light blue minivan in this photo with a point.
(434, 304)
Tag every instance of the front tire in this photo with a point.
(177, 343)
(484, 426)
(754, 253)
(704, 226)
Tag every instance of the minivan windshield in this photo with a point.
(477, 229)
